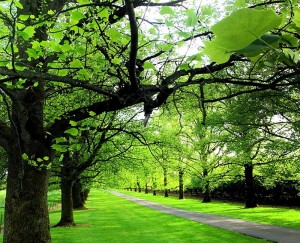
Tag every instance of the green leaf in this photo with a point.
(24, 17)
(46, 158)
(29, 30)
(166, 10)
(296, 18)
(76, 64)
(114, 35)
(73, 123)
(216, 53)
(259, 45)
(63, 72)
(60, 140)
(292, 56)
(184, 67)
(92, 113)
(75, 147)
(60, 148)
(244, 26)
(19, 5)
(192, 18)
(148, 65)
(289, 40)
(104, 14)
(83, 1)
(240, 3)
(184, 34)
(25, 156)
(76, 16)
(239, 30)
(116, 60)
(72, 131)
(61, 158)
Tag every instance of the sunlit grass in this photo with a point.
(278, 216)
(113, 219)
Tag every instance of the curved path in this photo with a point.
(263, 231)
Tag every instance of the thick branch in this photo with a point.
(50, 77)
(134, 44)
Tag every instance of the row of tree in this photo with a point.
(73, 73)
(246, 138)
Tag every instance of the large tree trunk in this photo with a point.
(181, 192)
(67, 218)
(26, 210)
(29, 146)
(250, 195)
(77, 194)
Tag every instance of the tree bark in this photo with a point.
(251, 201)
(77, 194)
(138, 185)
(146, 188)
(166, 182)
(154, 186)
(206, 193)
(26, 210)
(67, 181)
(181, 192)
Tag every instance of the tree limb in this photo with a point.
(134, 44)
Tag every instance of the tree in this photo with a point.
(101, 140)
(66, 60)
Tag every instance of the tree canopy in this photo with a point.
(63, 62)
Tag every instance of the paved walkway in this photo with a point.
(267, 232)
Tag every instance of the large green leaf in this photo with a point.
(238, 31)
(243, 27)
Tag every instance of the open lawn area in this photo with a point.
(113, 219)
(278, 216)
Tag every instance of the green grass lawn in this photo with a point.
(278, 216)
(113, 219)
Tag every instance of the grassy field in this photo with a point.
(113, 219)
(278, 216)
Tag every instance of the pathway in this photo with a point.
(257, 230)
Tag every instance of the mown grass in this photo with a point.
(278, 216)
(113, 219)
